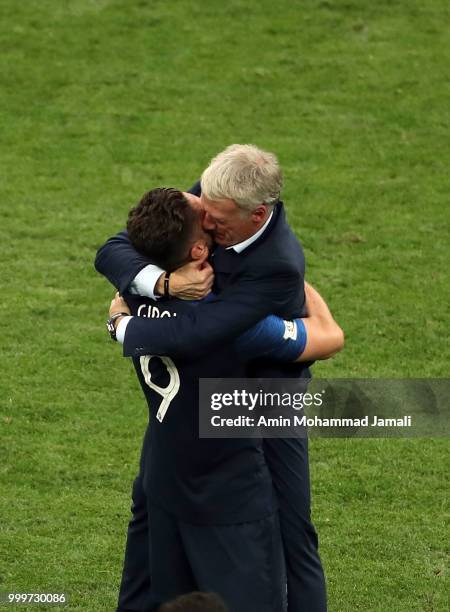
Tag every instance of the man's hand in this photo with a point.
(118, 304)
(190, 282)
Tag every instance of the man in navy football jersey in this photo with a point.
(210, 502)
(258, 270)
(219, 490)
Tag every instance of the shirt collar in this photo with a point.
(241, 246)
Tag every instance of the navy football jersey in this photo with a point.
(204, 481)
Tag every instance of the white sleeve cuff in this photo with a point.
(121, 328)
(145, 281)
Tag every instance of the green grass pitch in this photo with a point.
(102, 100)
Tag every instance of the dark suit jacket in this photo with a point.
(266, 278)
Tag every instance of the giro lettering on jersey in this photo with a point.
(153, 312)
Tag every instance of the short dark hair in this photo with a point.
(195, 602)
(161, 225)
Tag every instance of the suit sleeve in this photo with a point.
(119, 261)
(220, 320)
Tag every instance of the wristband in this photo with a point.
(166, 284)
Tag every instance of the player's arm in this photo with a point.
(324, 337)
(316, 336)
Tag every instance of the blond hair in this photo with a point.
(245, 174)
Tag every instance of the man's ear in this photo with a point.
(259, 213)
(199, 250)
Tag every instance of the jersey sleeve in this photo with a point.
(274, 338)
